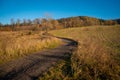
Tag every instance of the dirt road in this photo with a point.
(34, 65)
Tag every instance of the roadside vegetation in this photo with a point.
(16, 44)
(97, 56)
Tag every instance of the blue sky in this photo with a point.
(31, 9)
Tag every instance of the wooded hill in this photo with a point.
(50, 24)
(86, 21)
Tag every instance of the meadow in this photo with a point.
(97, 56)
(15, 44)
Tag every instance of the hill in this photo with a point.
(85, 21)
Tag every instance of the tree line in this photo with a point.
(36, 24)
(47, 23)
(85, 21)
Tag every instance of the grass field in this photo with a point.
(20, 43)
(97, 57)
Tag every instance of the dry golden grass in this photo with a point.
(20, 43)
(97, 57)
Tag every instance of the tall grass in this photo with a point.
(97, 57)
(20, 43)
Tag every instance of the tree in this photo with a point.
(24, 22)
(29, 22)
(64, 22)
(0, 24)
(18, 23)
(110, 22)
(44, 24)
(36, 23)
(12, 23)
(55, 24)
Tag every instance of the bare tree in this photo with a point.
(18, 23)
(29, 22)
(44, 24)
(12, 23)
(47, 22)
(36, 23)
(0, 24)
(24, 22)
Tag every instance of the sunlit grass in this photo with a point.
(21, 43)
(97, 57)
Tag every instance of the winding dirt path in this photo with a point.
(34, 65)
